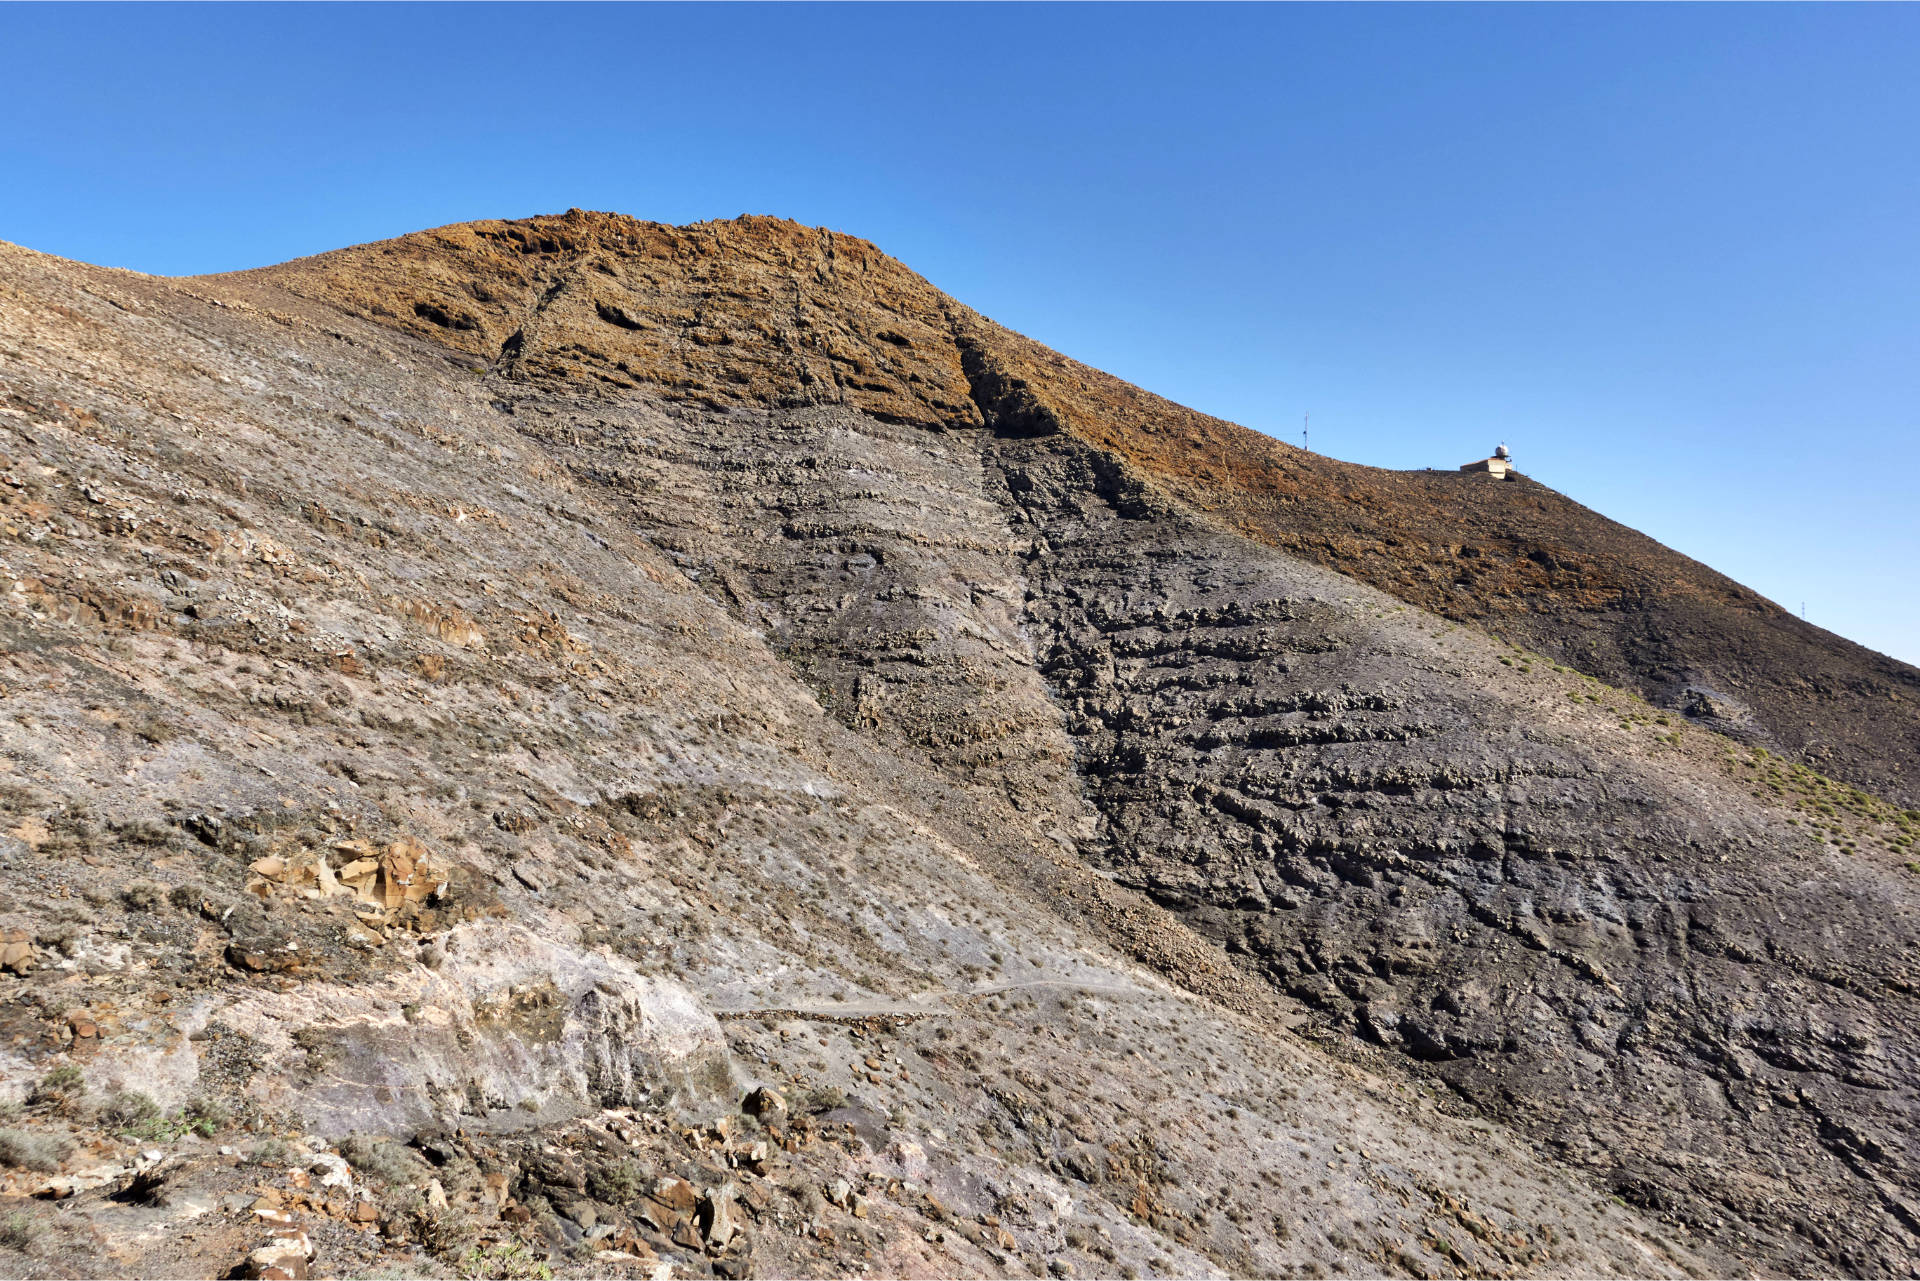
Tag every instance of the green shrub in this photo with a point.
(61, 1088)
(207, 1117)
(822, 1099)
(204, 1117)
(617, 1183)
(505, 1261)
(17, 1232)
(127, 1108)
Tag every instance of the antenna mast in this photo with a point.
(1305, 420)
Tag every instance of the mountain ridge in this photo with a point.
(1518, 558)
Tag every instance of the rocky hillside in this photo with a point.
(759, 312)
(651, 751)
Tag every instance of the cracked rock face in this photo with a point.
(507, 1026)
(584, 743)
(1570, 917)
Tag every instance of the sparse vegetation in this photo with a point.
(503, 1261)
(820, 1099)
(617, 1182)
(1845, 817)
(62, 1089)
(17, 1232)
(204, 1117)
(382, 1160)
(126, 1109)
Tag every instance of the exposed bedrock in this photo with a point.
(1543, 892)
(534, 689)
(505, 1030)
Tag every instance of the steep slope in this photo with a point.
(409, 863)
(1528, 564)
(527, 669)
(1548, 895)
(1538, 888)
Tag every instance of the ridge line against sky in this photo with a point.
(1666, 253)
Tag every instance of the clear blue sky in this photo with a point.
(1671, 255)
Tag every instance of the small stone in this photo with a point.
(628, 1241)
(262, 958)
(365, 1212)
(859, 1206)
(677, 1196)
(358, 870)
(764, 1102)
(284, 1258)
(16, 952)
(333, 1170)
(838, 1192)
(719, 1222)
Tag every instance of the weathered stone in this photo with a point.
(719, 1221)
(265, 956)
(17, 954)
(285, 1257)
(676, 1196)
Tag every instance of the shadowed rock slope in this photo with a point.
(640, 748)
(758, 311)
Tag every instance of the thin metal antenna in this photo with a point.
(1305, 420)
